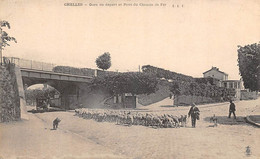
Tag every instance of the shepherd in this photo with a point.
(194, 113)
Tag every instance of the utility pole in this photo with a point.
(1, 42)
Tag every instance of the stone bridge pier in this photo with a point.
(71, 93)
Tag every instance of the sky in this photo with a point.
(188, 40)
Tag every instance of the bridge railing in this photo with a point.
(30, 64)
(43, 66)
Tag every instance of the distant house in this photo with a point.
(215, 73)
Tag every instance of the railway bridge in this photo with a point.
(73, 88)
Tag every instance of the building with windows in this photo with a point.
(235, 84)
(214, 72)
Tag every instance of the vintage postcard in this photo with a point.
(139, 79)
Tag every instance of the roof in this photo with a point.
(216, 69)
(231, 81)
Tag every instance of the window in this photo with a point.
(231, 85)
(235, 85)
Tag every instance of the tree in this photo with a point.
(129, 82)
(176, 90)
(249, 65)
(5, 38)
(104, 61)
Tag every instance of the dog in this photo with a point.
(56, 123)
(183, 120)
(214, 119)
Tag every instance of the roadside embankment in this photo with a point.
(9, 95)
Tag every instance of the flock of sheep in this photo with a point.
(126, 117)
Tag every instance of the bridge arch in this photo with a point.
(74, 89)
(27, 83)
(42, 91)
(69, 90)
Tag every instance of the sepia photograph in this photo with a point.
(129, 79)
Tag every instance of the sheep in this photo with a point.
(183, 120)
(132, 118)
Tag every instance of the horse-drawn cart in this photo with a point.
(42, 104)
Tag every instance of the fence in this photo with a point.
(247, 95)
(29, 64)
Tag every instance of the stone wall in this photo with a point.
(247, 95)
(161, 93)
(9, 95)
(187, 100)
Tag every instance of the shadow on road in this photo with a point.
(240, 120)
(168, 106)
(43, 111)
(255, 118)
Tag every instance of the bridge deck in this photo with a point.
(53, 75)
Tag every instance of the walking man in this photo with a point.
(232, 109)
(194, 113)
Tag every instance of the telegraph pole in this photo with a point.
(1, 42)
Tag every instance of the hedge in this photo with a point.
(74, 71)
(161, 73)
(187, 85)
(82, 71)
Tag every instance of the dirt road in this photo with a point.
(83, 138)
(35, 139)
